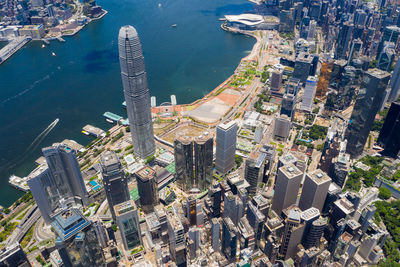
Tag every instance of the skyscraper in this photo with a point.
(64, 167)
(128, 224)
(215, 229)
(114, 180)
(282, 127)
(176, 237)
(395, 83)
(225, 147)
(183, 152)
(343, 40)
(293, 233)
(229, 239)
(254, 170)
(389, 136)
(287, 186)
(136, 91)
(203, 156)
(368, 103)
(309, 93)
(77, 242)
(147, 186)
(302, 66)
(315, 189)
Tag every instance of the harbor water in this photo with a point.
(81, 80)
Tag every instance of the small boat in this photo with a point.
(43, 46)
(110, 121)
(174, 25)
(85, 133)
(53, 54)
(159, 4)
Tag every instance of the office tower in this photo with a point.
(339, 168)
(233, 207)
(37, 3)
(256, 219)
(386, 57)
(395, 83)
(343, 40)
(176, 236)
(337, 73)
(324, 77)
(366, 217)
(286, 18)
(341, 208)
(147, 187)
(215, 229)
(183, 152)
(355, 50)
(333, 195)
(215, 195)
(65, 169)
(13, 255)
(287, 186)
(276, 81)
(390, 34)
(127, 220)
(289, 158)
(368, 103)
(225, 147)
(262, 204)
(254, 170)
(293, 234)
(246, 234)
(258, 133)
(292, 86)
(136, 92)
(193, 241)
(194, 211)
(302, 67)
(45, 192)
(203, 164)
(282, 127)
(271, 248)
(114, 180)
(389, 136)
(77, 242)
(288, 102)
(314, 233)
(309, 93)
(315, 189)
(229, 239)
(360, 17)
(311, 30)
(100, 231)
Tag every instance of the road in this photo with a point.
(20, 231)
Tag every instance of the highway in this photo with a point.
(22, 229)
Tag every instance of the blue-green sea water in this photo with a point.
(83, 80)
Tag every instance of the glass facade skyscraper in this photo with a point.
(128, 223)
(136, 91)
(368, 103)
(114, 180)
(389, 136)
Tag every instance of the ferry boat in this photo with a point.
(85, 133)
(110, 121)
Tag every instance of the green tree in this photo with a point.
(384, 193)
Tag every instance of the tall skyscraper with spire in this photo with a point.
(136, 91)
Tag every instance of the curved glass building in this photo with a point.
(136, 91)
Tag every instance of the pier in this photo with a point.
(12, 47)
(91, 130)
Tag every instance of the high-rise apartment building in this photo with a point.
(368, 103)
(389, 136)
(183, 152)
(309, 93)
(287, 186)
(127, 220)
(114, 180)
(315, 189)
(147, 187)
(136, 91)
(225, 147)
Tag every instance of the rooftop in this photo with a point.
(290, 171)
(109, 158)
(227, 126)
(310, 214)
(69, 222)
(204, 137)
(247, 19)
(319, 176)
(146, 173)
(124, 207)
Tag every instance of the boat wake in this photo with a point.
(32, 86)
(36, 142)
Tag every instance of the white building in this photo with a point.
(309, 93)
